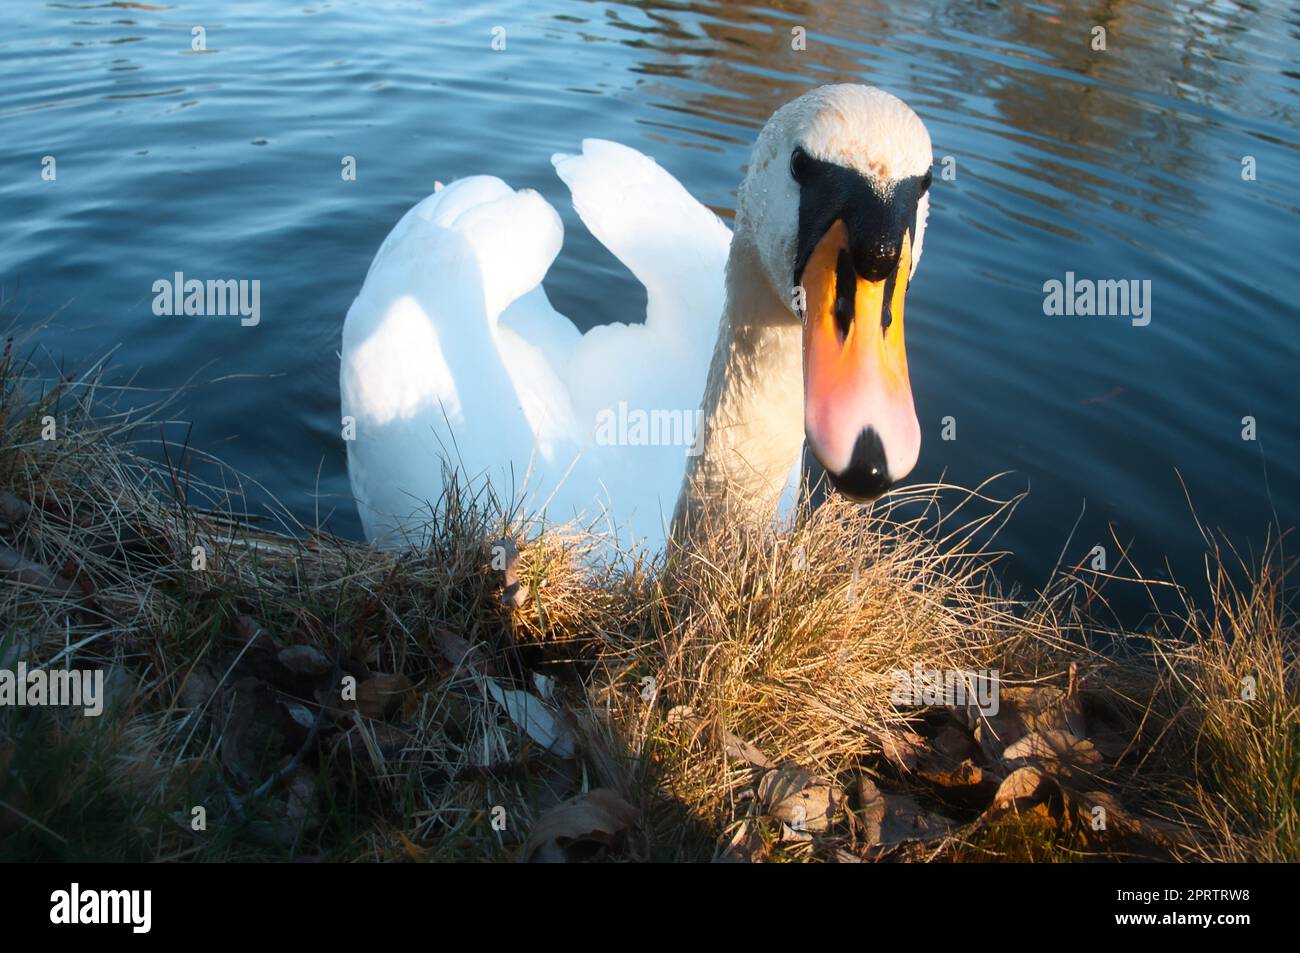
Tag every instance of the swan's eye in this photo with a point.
(801, 165)
(925, 183)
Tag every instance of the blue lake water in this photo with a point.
(1123, 163)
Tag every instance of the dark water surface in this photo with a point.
(1116, 164)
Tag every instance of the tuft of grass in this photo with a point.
(681, 677)
(789, 641)
(1234, 692)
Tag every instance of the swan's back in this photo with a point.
(453, 355)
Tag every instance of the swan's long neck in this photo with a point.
(753, 401)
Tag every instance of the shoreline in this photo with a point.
(272, 697)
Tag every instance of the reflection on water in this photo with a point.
(1122, 163)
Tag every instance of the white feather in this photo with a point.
(453, 352)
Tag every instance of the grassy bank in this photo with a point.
(276, 692)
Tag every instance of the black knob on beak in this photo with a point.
(867, 475)
(877, 260)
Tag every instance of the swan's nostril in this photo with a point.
(867, 475)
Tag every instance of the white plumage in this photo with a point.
(452, 351)
(453, 356)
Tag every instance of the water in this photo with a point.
(1123, 163)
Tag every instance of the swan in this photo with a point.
(787, 333)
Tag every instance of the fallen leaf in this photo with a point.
(743, 847)
(455, 649)
(200, 685)
(733, 745)
(248, 630)
(295, 813)
(954, 744)
(871, 809)
(905, 820)
(1033, 796)
(371, 745)
(680, 714)
(15, 567)
(804, 803)
(903, 748)
(1020, 790)
(300, 800)
(1021, 711)
(1056, 749)
(304, 660)
(13, 510)
(741, 750)
(529, 713)
(381, 695)
(120, 688)
(948, 761)
(1145, 835)
(598, 817)
(301, 714)
(957, 778)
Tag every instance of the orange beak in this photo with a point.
(859, 418)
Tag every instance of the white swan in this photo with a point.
(453, 354)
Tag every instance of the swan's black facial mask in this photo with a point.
(854, 264)
(876, 222)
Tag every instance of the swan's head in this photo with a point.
(835, 202)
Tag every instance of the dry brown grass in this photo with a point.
(656, 666)
(1231, 694)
